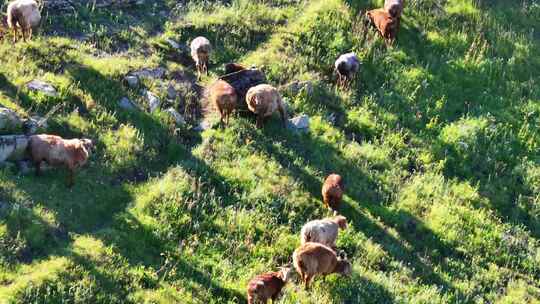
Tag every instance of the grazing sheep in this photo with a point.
(323, 231)
(312, 259)
(384, 23)
(233, 68)
(200, 52)
(346, 67)
(23, 14)
(264, 100)
(394, 7)
(332, 191)
(267, 286)
(56, 151)
(223, 96)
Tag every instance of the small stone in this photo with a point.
(43, 87)
(173, 44)
(171, 92)
(132, 81)
(9, 120)
(300, 122)
(13, 147)
(153, 101)
(204, 125)
(126, 104)
(178, 118)
(157, 73)
(296, 87)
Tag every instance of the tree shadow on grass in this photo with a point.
(364, 189)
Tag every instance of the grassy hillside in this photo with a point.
(438, 141)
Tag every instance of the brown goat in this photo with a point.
(56, 151)
(264, 100)
(267, 286)
(312, 259)
(332, 191)
(384, 23)
(224, 98)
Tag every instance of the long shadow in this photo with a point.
(366, 190)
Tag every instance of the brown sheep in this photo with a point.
(267, 286)
(394, 7)
(384, 23)
(56, 151)
(312, 259)
(264, 100)
(332, 191)
(23, 14)
(323, 231)
(224, 98)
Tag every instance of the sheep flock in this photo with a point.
(318, 254)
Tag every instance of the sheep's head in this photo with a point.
(341, 221)
(88, 144)
(368, 19)
(285, 272)
(343, 266)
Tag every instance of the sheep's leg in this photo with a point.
(307, 281)
(38, 168)
(283, 115)
(24, 34)
(71, 178)
(260, 120)
(30, 33)
(14, 33)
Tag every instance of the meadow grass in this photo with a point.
(437, 140)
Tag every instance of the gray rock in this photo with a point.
(296, 87)
(171, 92)
(34, 123)
(43, 87)
(300, 122)
(157, 73)
(126, 104)
(173, 44)
(132, 81)
(178, 118)
(13, 147)
(153, 101)
(9, 120)
(204, 125)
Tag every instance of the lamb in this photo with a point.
(394, 7)
(200, 52)
(332, 191)
(223, 96)
(312, 259)
(386, 25)
(267, 286)
(264, 100)
(23, 14)
(323, 231)
(56, 151)
(346, 67)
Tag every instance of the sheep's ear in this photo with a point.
(342, 255)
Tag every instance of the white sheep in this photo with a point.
(346, 67)
(23, 14)
(323, 231)
(200, 52)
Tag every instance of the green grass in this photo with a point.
(437, 141)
